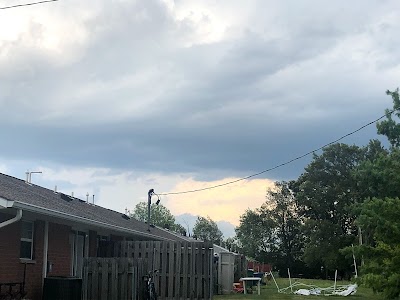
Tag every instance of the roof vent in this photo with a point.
(125, 217)
(65, 197)
(55, 189)
(28, 179)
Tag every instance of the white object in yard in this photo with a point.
(351, 289)
(308, 289)
(303, 292)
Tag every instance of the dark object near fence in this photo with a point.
(13, 290)
(151, 293)
(260, 275)
(62, 288)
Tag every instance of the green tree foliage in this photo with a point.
(281, 208)
(257, 236)
(380, 177)
(326, 193)
(389, 127)
(160, 216)
(232, 244)
(207, 230)
(379, 219)
(273, 232)
(382, 257)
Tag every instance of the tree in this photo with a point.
(381, 270)
(232, 244)
(160, 216)
(207, 230)
(379, 217)
(325, 194)
(272, 233)
(257, 236)
(281, 208)
(389, 127)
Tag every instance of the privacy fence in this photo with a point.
(184, 269)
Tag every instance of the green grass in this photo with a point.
(270, 292)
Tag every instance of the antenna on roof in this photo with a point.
(29, 175)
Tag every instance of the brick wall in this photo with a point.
(59, 251)
(11, 267)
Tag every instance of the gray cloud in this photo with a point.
(139, 89)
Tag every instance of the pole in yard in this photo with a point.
(290, 280)
(334, 287)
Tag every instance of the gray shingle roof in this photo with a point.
(40, 198)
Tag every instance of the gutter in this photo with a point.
(4, 203)
(82, 220)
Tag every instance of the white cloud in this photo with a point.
(225, 203)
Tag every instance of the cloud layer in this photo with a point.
(188, 92)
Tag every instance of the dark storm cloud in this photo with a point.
(136, 96)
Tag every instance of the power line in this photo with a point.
(282, 164)
(28, 4)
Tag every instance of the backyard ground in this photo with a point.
(270, 292)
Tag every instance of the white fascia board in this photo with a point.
(82, 220)
(4, 203)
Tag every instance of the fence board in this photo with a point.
(150, 250)
(199, 270)
(178, 262)
(185, 277)
(114, 278)
(193, 271)
(123, 278)
(104, 279)
(171, 272)
(95, 279)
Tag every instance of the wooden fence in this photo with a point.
(241, 267)
(113, 278)
(185, 269)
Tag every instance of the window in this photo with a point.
(26, 250)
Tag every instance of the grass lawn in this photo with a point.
(270, 292)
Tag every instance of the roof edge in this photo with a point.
(69, 217)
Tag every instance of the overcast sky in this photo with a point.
(113, 98)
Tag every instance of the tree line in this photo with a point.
(343, 209)
(342, 212)
(204, 229)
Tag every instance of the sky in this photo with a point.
(112, 98)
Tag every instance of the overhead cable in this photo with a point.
(281, 164)
(27, 4)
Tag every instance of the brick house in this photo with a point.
(49, 233)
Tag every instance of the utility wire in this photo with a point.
(27, 4)
(282, 164)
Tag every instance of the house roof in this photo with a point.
(37, 199)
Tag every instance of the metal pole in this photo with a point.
(149, 194)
